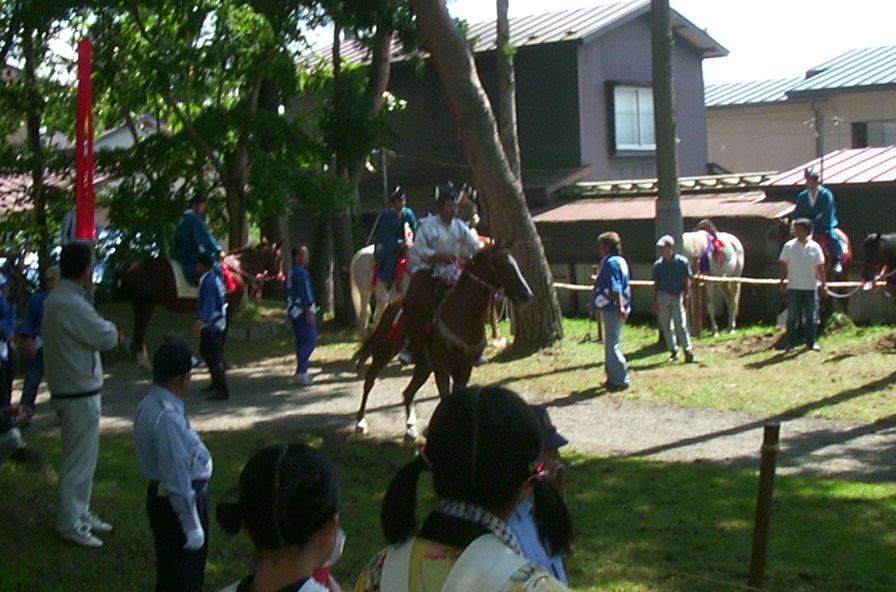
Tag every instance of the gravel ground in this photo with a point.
(264, 398)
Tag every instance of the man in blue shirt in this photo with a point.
(389, 237)
(178, 466)
(192, 237)
(211, 324)
(300, 308)
(612, 297)
(32, 340)
(523, 522)
(817, 204)
(8, 322)
(671, 284)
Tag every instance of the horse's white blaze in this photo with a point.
(519, 274)
(412, 418)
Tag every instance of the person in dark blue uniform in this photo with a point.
(31, 337)
(8, 323)
(192, 237)
(301, 308)
(211, 324)
(178, 466)
(816, 203)
(389, 236)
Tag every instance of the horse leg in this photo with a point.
(733, 306)
(142, 314)
(461, 378)
(421, 374)
(377, 364)
(711, 308)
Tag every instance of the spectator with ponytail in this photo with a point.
(483, 446)
(287, 501)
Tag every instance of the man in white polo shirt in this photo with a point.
(802, 265)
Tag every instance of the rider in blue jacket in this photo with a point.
(817, 203)
(389, 236)
(192, 237)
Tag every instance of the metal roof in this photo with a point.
(581, 24)
(649, 187)
(749, 204)
(846, 167)
(870, 67)
(748, 93)
(859, 69)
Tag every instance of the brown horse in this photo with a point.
(457, 339)
(880, 260)
(150, 282)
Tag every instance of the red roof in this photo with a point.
(849, 166)
(723, 205)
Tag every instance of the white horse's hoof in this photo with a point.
(361, 427)
(411, 433)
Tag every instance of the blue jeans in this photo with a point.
(614, 361)
(306, 341)
(34, 373)
(800, 303)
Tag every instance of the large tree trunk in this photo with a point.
(506, 107)
(668, 206)
(502, 191)
(34, 108)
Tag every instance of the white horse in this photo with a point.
(693, 247)
(361, 270)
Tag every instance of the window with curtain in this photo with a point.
(633, 119)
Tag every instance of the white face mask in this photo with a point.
(337, 548)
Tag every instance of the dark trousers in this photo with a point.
(306, 341)
(177, 570)
(34, 373)
(211, 348)
(6, 372)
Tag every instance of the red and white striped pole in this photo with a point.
(84, 196)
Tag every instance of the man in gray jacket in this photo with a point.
(74, 334)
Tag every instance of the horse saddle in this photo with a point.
(183, 287)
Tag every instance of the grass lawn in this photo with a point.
(641, 525)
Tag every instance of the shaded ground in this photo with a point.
(594, 421)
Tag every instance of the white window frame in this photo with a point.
(643, 99)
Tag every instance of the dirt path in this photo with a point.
(264, 398)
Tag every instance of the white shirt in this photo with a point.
(434, 236)
(801, 260)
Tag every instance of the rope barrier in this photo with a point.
(720, 280)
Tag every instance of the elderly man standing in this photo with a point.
(671, 283)
(74, 334)
(442, 241)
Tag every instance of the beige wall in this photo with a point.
(780, 137)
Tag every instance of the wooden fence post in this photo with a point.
(764, 504)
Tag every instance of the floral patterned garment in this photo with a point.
(431, 562)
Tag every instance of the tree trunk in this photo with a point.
(506, 107)
(668, 206)
(502, 191)
(234, 182)
(34, 109)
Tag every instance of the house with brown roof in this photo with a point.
(847, 102)
(584, 102)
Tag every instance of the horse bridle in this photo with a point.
(482, 282)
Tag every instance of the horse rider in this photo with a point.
(816, 203)
(192, 237)
(389, 238)
(442, 242)
(467, 210)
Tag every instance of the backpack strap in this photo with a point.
(486, 565)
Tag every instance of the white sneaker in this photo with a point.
(94, 522)
(81, 535)
(302, 379)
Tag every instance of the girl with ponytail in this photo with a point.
(287, 501)
(482, 449)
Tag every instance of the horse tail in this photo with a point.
(356, 291)
(362, 262)
(365, 351)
